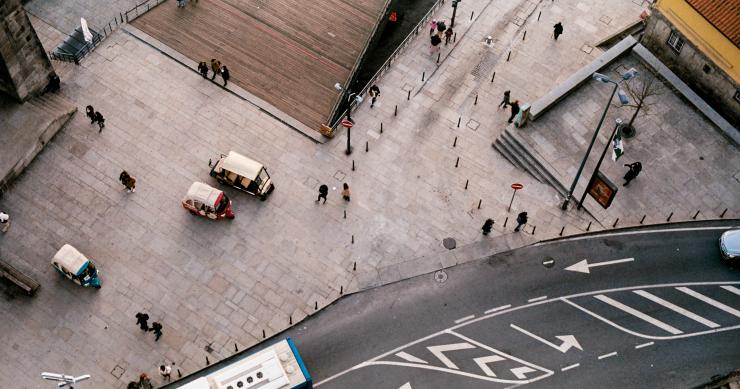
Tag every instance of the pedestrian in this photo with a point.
(506, 101)
(4, 222)
(521, 220)
(180, 3)
(203, 69)
(215, 67)
(157, 329)
(514, 110)
(487, 226)
(130, 184)
(123, 177)
(448, 35)
(557, 30)
(225, 74)
(101, 120)
(141, 320)
(323, 191)
(90, 112)
(374, 93)
(133, 385)
(165, 371)
(345, 192)
(635, 169)
(432, 26)
(53, 85)
(434, 44)
(145, 382)
(441, 27)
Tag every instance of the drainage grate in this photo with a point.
(485, 66)
(440, 276)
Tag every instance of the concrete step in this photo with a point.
(513, 156)
(535, 162)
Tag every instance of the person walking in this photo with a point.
(215, 67)
(323, 192)
(521, 220)
(487, 226)
(448, 35)
(441, 27)
(157, 329)
(434, 47)
(345, 192)
(514, 110)
(145, 382)
(101, 120)
(203, 69)
(141, 320)
(133, 385)
(123, 177)
(90, 112)
(557, 30)
(635, 169)
(4, 222)
(130, 184)
(180, 3)
(432, 26)
(374, 93)
(165, 371)
(506, 101)
(225, 74)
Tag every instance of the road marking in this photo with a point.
(410, 358)
(583, 266)
(497, 309)
(639, 346)
(731, 289)
(568, 340)
(439, 351)
(638, 314)
(573, 366)
(483, 362)
(462, 319)
(536, 299)
(710, 301)
(521, 372)
(676, 308)
(406, 386)
(609, 233)
(611, 354)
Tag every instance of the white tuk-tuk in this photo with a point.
(76, 266)
(242, 173)
(205, 200)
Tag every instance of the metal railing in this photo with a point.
(140, 9)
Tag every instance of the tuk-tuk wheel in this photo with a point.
(263, 197)
(97, 287)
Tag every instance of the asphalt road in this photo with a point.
(666, 315)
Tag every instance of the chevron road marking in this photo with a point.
(638, 314)
(676, 308)
(410, 358)
(439, 351)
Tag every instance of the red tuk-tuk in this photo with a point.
(204, 200)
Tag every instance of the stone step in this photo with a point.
(515, 158)
(536, 162)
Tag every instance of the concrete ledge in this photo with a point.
(544, 103)
(724, 126)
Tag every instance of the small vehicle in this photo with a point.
(76, 267)
(205, 200)
(242, 173)
(729, 246)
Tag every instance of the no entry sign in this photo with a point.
(346, 123)
(517, 186)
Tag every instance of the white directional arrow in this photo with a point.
(406, 386)
(439, 350)
(568, 340)
(521, 372)
(584, 266)
(484, 361)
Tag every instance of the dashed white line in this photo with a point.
(731, 289)
(611, 354)
(536, 299)
(497, 309)
(639, 346)
(462, 319)
(573, 366)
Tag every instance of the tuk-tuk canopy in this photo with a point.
(71, 259)
(241, 165)
(203, 193)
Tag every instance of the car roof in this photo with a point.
(70, 258)
(732, 240)
(203, 193)
(241, 165)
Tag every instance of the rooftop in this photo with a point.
(722, 14)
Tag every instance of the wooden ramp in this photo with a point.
(289, 53)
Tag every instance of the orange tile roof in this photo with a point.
(724, 15)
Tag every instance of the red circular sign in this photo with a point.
(517, 186)
(347, 123)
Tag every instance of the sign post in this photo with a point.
(516, 186)
(347, 123)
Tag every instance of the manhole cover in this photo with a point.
(548, 262)
(118, 371)
(440, 276)
(449, 243)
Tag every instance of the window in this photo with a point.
(737, 95)
(707, 69)
(675, 41)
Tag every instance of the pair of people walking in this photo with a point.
(521, 220)
(324, 191)
(217, 69)
(142, 320)
(95, 117)
(507, 102)
(128, 181)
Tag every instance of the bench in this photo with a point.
(14, 275)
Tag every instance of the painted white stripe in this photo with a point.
(611, 354)
(497, 309)
(676, 308)
(536, 299)
(573, 366)
(731, 289)
(610, 233)
(462, 319)
(639, 346)
(710, 301)
(410, 358)
(638, 314)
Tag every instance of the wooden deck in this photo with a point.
(289, 53)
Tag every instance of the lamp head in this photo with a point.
(623, 97)
(600, 77)
(338, 86)
(629, 74)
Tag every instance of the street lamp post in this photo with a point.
(598, 165)
(631, 73)
(454, 11)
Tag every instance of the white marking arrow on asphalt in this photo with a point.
(584, 266)
(521, 372)
(410, 358)
(406, 386)
(568, 340)
(484, 361)
(439, 350)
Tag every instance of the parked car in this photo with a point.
(242, 173)
(729, 246)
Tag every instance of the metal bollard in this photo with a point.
(454, 38)
(207, 361)
(236, 349)
(695, 215)
(533, 228)
(615, 223)
(438, 56)
(341, 290)
(508, 56)
(476, 100)
(316, 306)
(367, 147)
(589, 226)
(457, 162)
(395, 111)
(454, 144)
(479, 202)
(354, 266)
(345, 213)
(561, 231)
(466, 184)
(471, 15)
(506, 221)
(643, 219)
(723, 213)
(408, 96)
(381, 127)
(264, 335)
(422, 76)
(353, 239)
(458, 121)
(179, 374)
(525, 35)
(669, 217)
(538, 16)
(353, 165)
(493, 76)
(290, 319)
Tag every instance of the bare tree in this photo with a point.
(640, 89)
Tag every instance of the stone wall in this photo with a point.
(715, 87)
(24, 66)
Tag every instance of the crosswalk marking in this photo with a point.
(676, 308)
(638, 314)
(731, 289)
(710, 301)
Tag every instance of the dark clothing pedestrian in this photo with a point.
(521, 220)
(374, 92)
(345, 192)
(124, 177)
(448, 35)
(441, 27)
(514, 110)
(141, 319)
(216, 68)
(145, 382)
(90, 112)
(203, 69)
(225, 74)
(435, 40)
(506, 101)
(157, 328)
(487, 226)
(130, 184)
(133, 385)
(323, 192)
(101, 120)
(53, 85)
(635, 169)
(557, 30)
